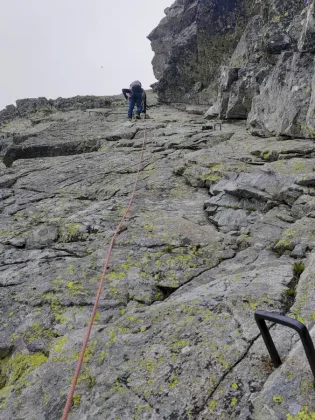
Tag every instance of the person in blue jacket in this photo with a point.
(136, 96)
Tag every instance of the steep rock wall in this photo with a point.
(285, 104)
(191, 43)
(252, 59)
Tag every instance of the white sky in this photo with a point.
(56, 48)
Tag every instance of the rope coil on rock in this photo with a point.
(99, 291)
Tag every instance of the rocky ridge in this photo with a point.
(222, 224)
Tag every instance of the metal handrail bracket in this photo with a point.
(262, 316)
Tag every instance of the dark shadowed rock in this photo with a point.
(28, 106)
(263, 50)
(8, 114)
(191, 43)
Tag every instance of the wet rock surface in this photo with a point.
(222, 224)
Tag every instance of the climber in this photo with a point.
(136, 96)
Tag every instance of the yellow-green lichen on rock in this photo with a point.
(14, 373)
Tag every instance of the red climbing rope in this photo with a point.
(99, 292)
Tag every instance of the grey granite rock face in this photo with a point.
(278, 93)
(264, 52)
(277, 29)
(283, 106)
(222, 224)
(190, 44)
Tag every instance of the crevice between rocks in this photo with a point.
(290, 293)
(198, 411)
(124, 382)
(192, 278)
(134, 135)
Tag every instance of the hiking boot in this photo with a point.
(138, 117)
